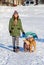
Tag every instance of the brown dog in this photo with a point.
(29, 44)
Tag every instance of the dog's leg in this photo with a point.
(30, 48)
(25, 47)
(34, 47)
(34, 44)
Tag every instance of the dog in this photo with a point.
(29, 44)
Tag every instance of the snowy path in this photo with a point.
(36, 58)
(32, 19)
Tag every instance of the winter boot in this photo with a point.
(13, 49)
(17, 49)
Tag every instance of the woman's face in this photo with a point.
(16, 15)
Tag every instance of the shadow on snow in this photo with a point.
(9, 47)
(40, 40)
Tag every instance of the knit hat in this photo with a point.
(15, 12)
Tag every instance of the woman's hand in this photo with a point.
(10, 31)
(23, 34)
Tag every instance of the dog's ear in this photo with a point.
(33, 39)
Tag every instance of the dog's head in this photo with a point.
(30, 39)
(26, 41)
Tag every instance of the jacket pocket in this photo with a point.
(12, 28)
(18, 28)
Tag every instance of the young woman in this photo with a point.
(15, 26)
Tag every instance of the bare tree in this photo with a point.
(36, 2)
(42, 1)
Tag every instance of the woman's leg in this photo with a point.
(17, 42)
(13, 40)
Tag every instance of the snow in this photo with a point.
(32, 20)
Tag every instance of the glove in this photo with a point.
(23, 34)
(10, 31)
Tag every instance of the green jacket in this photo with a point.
(15, 29)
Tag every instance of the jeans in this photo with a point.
(15, 41)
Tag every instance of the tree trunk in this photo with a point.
(42, 1)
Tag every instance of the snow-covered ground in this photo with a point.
(32, 20)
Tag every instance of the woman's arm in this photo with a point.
(21, 28)
(10, 26)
